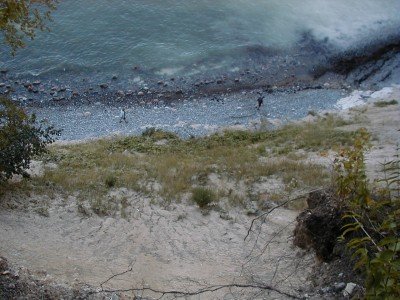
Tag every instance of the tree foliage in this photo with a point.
(21, 18)
(21, 137)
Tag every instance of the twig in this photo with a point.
(367, 234)
(211, 289)
(276, 207)
(115, 275)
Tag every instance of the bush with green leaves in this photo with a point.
(21, 138)
(203, 197)
(372, 220)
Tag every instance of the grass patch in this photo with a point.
(385, 103)
(178, 165)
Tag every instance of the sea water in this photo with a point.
(172, 36)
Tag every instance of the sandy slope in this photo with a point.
(174, 247)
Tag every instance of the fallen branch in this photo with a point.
(208, 289)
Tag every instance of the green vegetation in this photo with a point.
(21, 137)
(385, 103)
(110, 181)
(372, 230)
(19, 19)
(203, 197)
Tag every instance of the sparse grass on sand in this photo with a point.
(385, 103)
(163, 164)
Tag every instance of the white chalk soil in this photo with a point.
(176, 247)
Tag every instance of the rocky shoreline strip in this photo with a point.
(311, 66)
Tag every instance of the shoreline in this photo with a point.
(312, 65)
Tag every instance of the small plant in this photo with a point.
(385, 103)
(311, 113)
(203, 197)
(43, 211)
(149, 131)
(110, 181)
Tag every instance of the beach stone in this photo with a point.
(355, 99)
(2, 84)
(36, 82)
(337, 287)
(348, 291)
(384, 93)
(140, 93)
(104, 85)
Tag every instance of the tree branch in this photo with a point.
(276, 207)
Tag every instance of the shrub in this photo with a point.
(21, 137)
(203, 197)
(372, 222)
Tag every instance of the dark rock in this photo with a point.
(2, 84)
(179, 92)
(160, 82)
(3, 71)
(62, 89)
(120, 94)
(114, 77)
(237, 79)
(338, 287)
(103, 85)
(36, 82)
(220, 81)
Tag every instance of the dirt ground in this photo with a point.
(173, 247)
